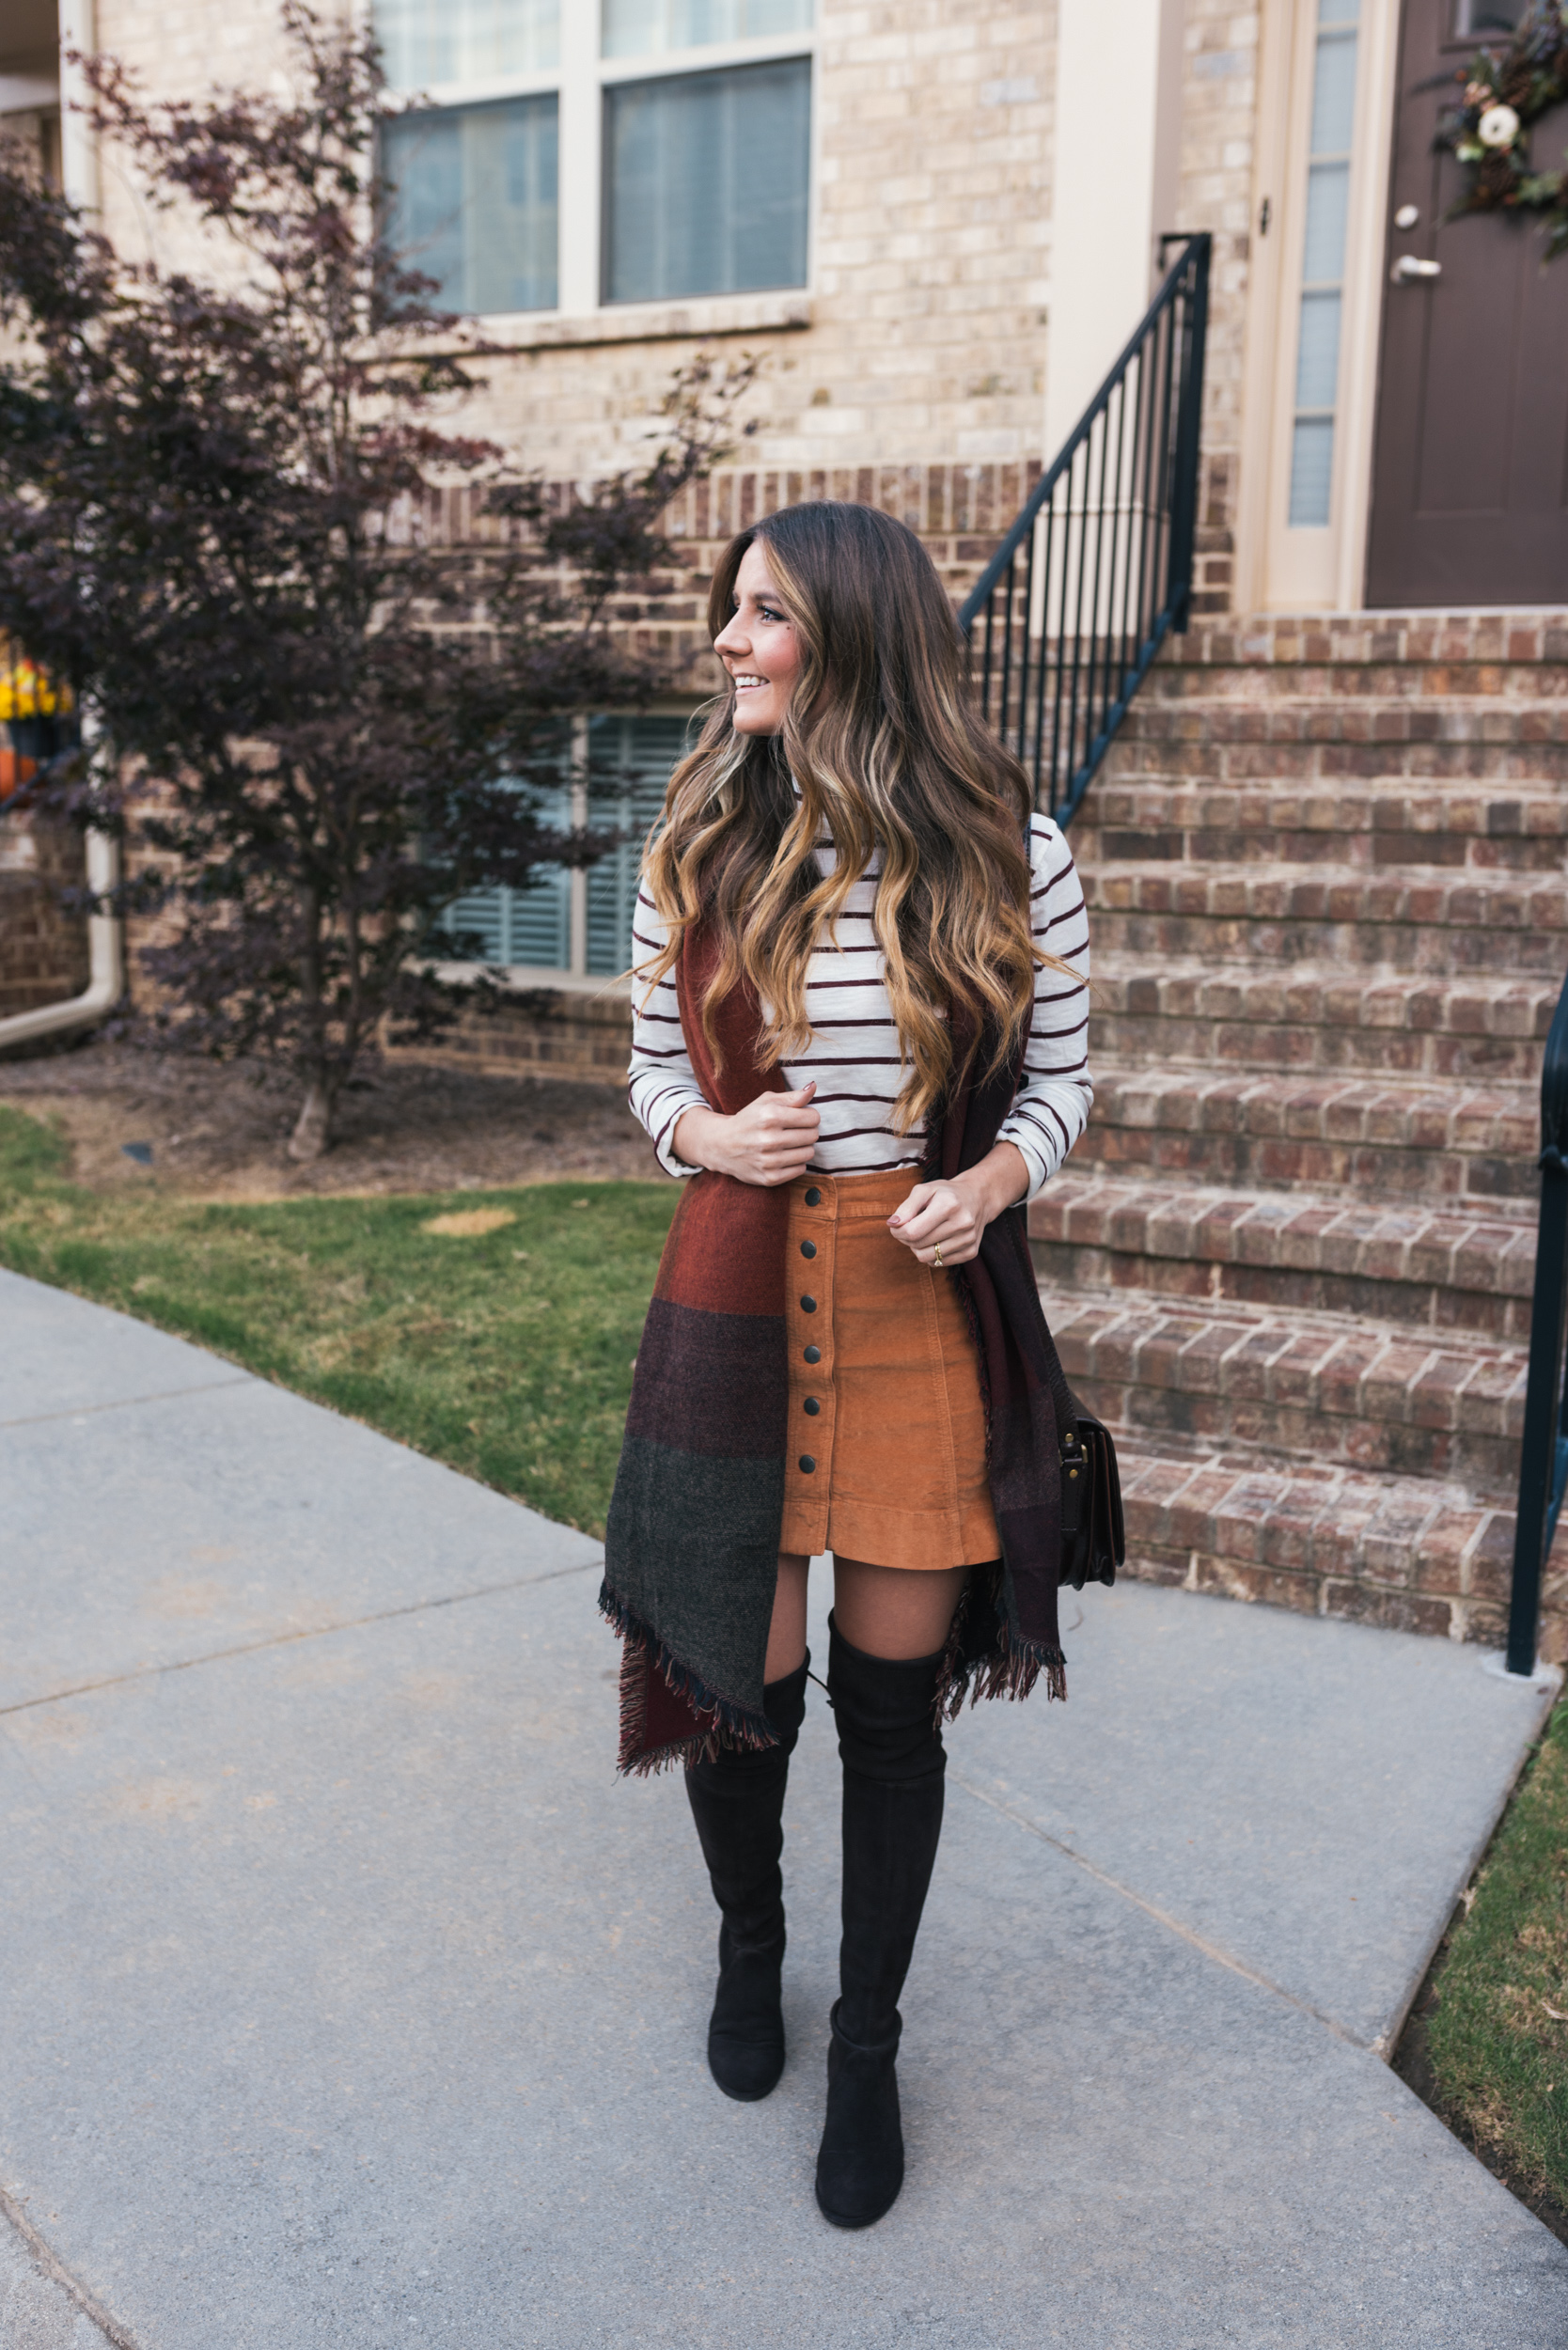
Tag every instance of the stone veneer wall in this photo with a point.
(925, 337)
(924, 329)
(926, 332)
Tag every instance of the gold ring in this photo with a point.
(936, 1253)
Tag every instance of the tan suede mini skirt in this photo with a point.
(886, 1453)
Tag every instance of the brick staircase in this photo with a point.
(1291, 1262)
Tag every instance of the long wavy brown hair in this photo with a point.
(889, 754)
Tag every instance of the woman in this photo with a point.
(862, 1031)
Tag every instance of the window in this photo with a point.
(1317, 364)
(646, 28)
(558, 154)
(466, 40)
(527, 926)
(476, 201)
(550, 926)
(705, 179)
(639, 753)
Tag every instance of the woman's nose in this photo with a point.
(731, 637)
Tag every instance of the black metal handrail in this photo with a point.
(1097, 570)
(1543, 1455)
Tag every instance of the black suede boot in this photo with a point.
(738, 1804)
(893, 1762)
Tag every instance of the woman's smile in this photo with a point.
(759, 648)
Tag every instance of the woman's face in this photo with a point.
(758, 648)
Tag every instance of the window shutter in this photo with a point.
(640, 753)
(528, 926)
(540, 934)
(476, 924)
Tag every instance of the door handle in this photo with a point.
(1408, 268)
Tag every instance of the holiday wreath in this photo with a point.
(1487, 130)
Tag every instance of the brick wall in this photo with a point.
(924, 339)
(1219, 101)
(926, 336)
(1291, 1261)
(43, 950)
(543, 1032)
(960, 512)
(912, 375)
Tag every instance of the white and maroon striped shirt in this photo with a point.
(853, 1052)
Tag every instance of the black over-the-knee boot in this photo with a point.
(738, 1803)
(893, 1762)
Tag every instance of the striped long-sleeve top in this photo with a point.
(853, 1052)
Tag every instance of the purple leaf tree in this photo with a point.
(213, 499)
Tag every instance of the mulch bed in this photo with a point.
(220, 1131)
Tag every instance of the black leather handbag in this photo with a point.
(1093, 1540)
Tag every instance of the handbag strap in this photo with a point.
(1064, 1402)
(1062, 1398)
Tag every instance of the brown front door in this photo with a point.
(1470, 466)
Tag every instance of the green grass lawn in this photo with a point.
(506, 1353)
(1496, 2023)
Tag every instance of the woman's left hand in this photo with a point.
(941, 1223)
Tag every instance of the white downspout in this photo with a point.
(106, 932)
(105, 963)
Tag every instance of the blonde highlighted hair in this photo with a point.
(889, 754)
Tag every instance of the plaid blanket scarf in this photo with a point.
(691, 1551)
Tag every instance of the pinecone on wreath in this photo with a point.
(1487, 130)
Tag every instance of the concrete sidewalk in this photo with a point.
(349, 2000)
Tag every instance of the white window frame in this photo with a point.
(579, 83)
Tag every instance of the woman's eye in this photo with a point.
(768, 613)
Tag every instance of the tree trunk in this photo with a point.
(313, 1129)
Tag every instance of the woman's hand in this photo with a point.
(948, 1218)
(770, 1141)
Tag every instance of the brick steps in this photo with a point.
(1316, 1387)
(1432, 922)
(1291, 1261)
(1402, 1139)
(1495, 652)
(1419, 1268)
(1458, 766)
(1317, 1016)
(1405, 1552)
(1314, 707)
(1391, 823)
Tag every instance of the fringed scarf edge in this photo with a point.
(720, 1721)
(1011, 1667)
